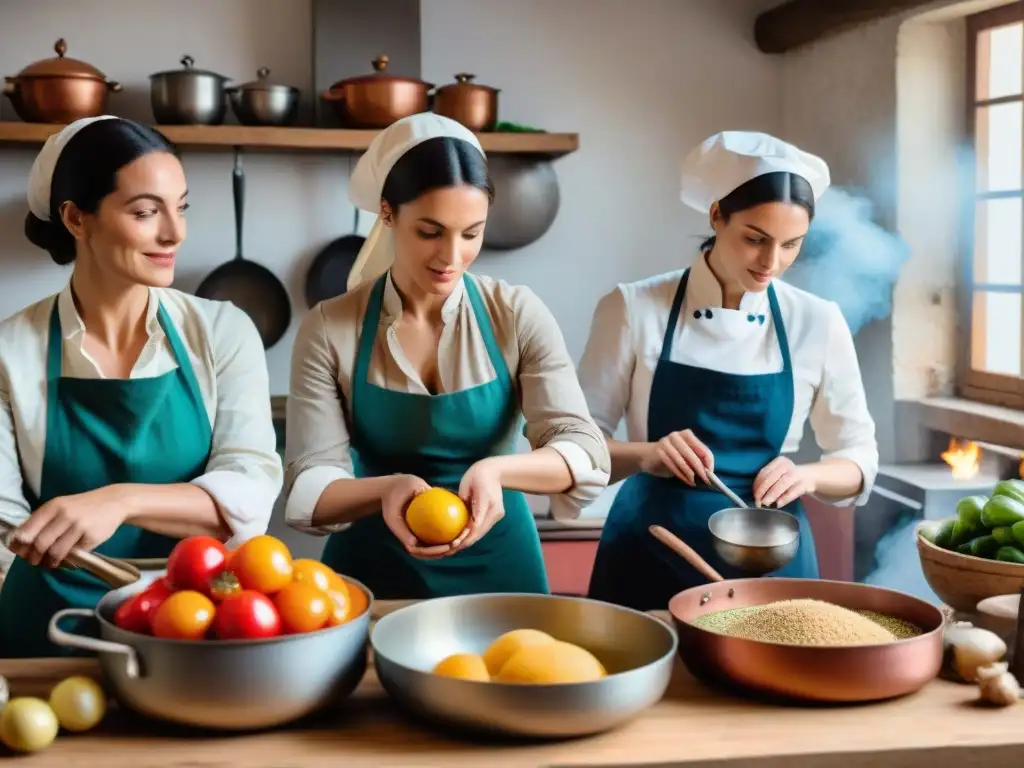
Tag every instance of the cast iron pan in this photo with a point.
(328, 274)
(249, 286)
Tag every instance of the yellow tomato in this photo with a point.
(312, 571)
(263, 563)
(437, 516)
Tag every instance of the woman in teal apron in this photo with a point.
(121, 454)
(361, 444)
(719, 370)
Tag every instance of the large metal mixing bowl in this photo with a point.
(229, 685)
(635, 648)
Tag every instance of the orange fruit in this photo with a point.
(312, 571)
(548, 663)
(303, 607)
(507, 645)
(263, 563)
(436, 516)
(358, 600)
(464, 666)
(185, 615)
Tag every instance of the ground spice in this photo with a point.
(807, 622)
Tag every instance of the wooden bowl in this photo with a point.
(962, 581)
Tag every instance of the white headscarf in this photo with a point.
(367, 183)
(41, 175)
(729, 159)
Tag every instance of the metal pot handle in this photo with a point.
(68, 640)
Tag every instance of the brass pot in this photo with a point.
(376, 101)
(59, 90)
(473, 105)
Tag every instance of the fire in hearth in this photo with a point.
(964, 458)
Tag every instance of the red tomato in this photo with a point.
(184, 615)
(135, 613)
(246, 615)
(194, 561)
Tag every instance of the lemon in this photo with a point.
(508, 644)
(27, 724)
(555, 662)
(79, 703)
(464, 666)
(436, 516)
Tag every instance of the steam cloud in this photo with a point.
(849, 259)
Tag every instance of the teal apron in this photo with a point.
(437, 438)
(102, 432)
(743, 420)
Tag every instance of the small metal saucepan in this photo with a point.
(843, 674)
(188, 96)
(472, 104)
(263, 102)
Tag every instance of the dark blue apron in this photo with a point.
(743, 420)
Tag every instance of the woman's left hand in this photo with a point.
(84, 520)
(781, 482)
(481, 490)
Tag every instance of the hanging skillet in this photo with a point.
(249, 286)
(328, 274)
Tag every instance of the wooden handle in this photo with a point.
(683, 549)
(110, 571)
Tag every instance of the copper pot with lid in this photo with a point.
(473, 105)
(377, 100)
(59, 90)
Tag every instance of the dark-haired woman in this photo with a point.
(418, 376)
(131, 415)
(718, 367)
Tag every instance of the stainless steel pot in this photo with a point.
(228, 685)
(262, 102)
(635, 648)
(188, 96)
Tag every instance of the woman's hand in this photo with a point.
(84, 520)
(781, 482)
(680, 454)
(481, 490)
(393, 505)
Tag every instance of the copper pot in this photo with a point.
(473, 105)
(376, 101)
(59, 90)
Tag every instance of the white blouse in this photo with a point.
(544, 377)
(629, 327)
(244, 473)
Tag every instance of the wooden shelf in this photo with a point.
(299, 139)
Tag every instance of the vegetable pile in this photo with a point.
(31, 724)
(991, 527)
(254, 592)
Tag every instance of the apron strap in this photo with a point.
(483, 321)
(673, 317)
(780, 328)
(367, 336)
(180, 355)
(54, 348)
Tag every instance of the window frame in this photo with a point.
(982, 386)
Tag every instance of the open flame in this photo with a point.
(964, 458)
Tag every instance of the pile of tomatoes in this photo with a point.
(255, 591)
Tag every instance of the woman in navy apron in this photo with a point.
(109, 436)
(718, 367)
(421, 375)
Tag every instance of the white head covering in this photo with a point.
(729, 159)
(41, 175)
(367, 183)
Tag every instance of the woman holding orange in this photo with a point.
(417, 378)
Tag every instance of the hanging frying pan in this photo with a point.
(249, 286)
(328, 274)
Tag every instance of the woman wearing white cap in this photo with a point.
(418, 376)
(131, 415)
(718, 367)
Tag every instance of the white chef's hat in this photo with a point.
(729, 159)
(41, 175)
(367, 182)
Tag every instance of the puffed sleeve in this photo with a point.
(843, 427)
(243, 474)
(14, 509)
(317, 440)
(553, 404)
(606, 368)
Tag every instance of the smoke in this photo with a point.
(897, 563)
(849, 259)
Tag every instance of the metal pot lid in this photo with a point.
(60, 66)
(188, 64)
(264, 83)
(465, 80)
(380, 66)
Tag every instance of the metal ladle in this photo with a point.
(756, 540)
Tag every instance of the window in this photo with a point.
(993, 367)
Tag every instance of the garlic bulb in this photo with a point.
(973, 647)
(996, 685)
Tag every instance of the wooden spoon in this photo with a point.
(684, 550)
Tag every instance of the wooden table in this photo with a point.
(692, 726)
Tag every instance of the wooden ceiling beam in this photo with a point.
(798, 22)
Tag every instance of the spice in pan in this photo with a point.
(807, 622)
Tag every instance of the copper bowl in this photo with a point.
(376, 101)
(473, 105)
(59, 90)
(962, 581)
(845, 674)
